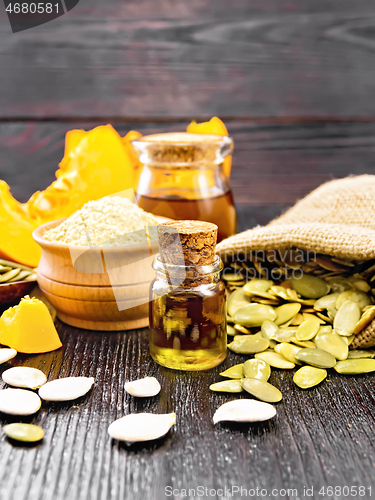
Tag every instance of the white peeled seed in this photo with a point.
(244, 410)
(7, 354)
(66, 389)
(25, 377)
(19, 402)
(143, 388)
(141, 427)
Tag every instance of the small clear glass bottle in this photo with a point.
(183, 176)
(188, 309)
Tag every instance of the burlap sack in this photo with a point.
(337, 218)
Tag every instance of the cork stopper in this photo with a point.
(187, 242)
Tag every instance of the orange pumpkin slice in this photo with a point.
(214, 126)
(28, 327)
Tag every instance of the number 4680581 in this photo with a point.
(32, 8)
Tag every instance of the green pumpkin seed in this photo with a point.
(248, 344)
(309, 376)
(339, 284)
(232, 276)
(256, 286)
(316, 357)
(236, 300)
(21, 276)
(359, 284)
(308, 329)
(257, 368)
(237, 284)
(324, 329)
(275, 359)
(326, 319)
(310, 287)
(13, 265)
(262, 390)
(326, 302)
(231, 330)
(348, 340)
(273, 343)
(292, 295)
(285, 334)
(289, 352)
(227, 386)
(266, 302)
(361, 354)
(286, 313)
(293, 258)
(279, 291)
(26, 433)
(326, 263)
(268, 329)
(361, 298)
(31, 277)
(241, 329)
(366, 308)
(9, 275)
(254, 314)
(307, 315)
(5, 269)
(297, 320)
(332, 343)
(303, 343)
(331, 312)
(346, 318)
(235, 372)
(355, 366)
(365, 319)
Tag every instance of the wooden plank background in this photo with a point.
(199, 58)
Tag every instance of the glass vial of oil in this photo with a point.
(187, 298)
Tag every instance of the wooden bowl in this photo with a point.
(11, 293)
(97, 288)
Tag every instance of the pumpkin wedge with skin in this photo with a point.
(72, 139)
(214, 126)
(17, 243)
(28, 327)
(137, 166)
(97, 166)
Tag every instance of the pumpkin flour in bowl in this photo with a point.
(110, 221)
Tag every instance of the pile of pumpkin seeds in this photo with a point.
(11, 272)
(293, 307)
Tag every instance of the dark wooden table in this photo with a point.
(294, 82)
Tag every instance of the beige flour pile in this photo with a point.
(110, 221)
(337, 219)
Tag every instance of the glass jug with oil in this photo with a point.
(182, 177)
(187, 298)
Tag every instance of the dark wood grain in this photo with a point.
(273, 164)
(193, 59)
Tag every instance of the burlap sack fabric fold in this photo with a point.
(337, 218)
